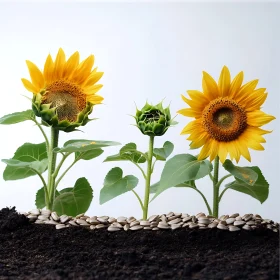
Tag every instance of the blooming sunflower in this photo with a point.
(227, 117)
(65, 91)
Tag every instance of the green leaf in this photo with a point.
(245, 174)
(27, 157)
(65, 190)
(154, 187)
(127, 152)
(74, 201)
(180, 169)
(17, 117)
(259, 190)
(40, 198)
(115, 185)
(165, 152)
(84, 145)
(88, 154)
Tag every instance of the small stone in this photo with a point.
(84, 218)
(169, 214)
(50, 222)
(250, 223)
(163, 218)
(42, 217)
(35, 212)
(234, 215)
(60, 226)
(39, 222)
(54, 216)
(268, 221)
(72, 223)
(204, 221)
(222, 226)
(247, 217)
(102, 220)
(200, 215)
(223, 222)
(153, 218)
(32, 218)
(145, 223)
(246, 227)
(46, 212)
(111, 220)
(239, 223)
(116, 224)
(175, 221)
(93, 221)
(80, 215)
(131, 219)
(100, 226)
(194, 219)
(239, 218)
(269, 226)
(64, 219)
(92, 227)
(154, 224)
(185, 225)
(155, 228)
(82, 222)
(122, 220)
(111, 228)
(186, 219)
(175, 226)
(162, 225)
(126, 227)
(275, 230)
(233, 228)
(230, 221)
(136, 227)
(134, 223)
(147, 228)
(193, 225)
(213, 225)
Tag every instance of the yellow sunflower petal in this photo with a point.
(258, 118)
(224, 82)
(205, 151)
(210, 87)
(243, 148)
(93, 89)
(236, 84)
(222, 152)
(35, 75)
(190, 113)
(245, 90)
(198, 142)
(197, 95)
(255, 100)
(233, 151)
(93, 78)
(59, 64)
(192, 126)
(214, 150)
(71, 64)
(29, 86)
(83, 70)
(95, 99)
(48, 69)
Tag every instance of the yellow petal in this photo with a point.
(255, 100)
(233, 151)
(197, 95)
(210, 87)
(189, 113)
(71, 65)
(236, 84)
(48, 69)
(222, 153)
(83, 70)
(205, 151)
(36, 75)
(258, 118)
(224, 82)
(93, 89)
(93, 78)
(59, 64)
(214, 150)
(192, 126)
(198, 141)
(29, 86)
(242, 148)
(95, 99)
(245, 90)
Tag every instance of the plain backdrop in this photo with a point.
(148, 51)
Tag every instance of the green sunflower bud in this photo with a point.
(153, 120)
(60, 114)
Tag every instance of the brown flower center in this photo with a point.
(68, 99)
(224, 119)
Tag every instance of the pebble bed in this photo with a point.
(168, 221)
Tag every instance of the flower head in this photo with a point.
(153, 120)
(227, 117)
(65, 91)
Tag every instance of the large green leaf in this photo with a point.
(245, 174)
(26, 158)
(115, 184)
(40, 198)
(127, 152)
(84, 145)
(74, 201)
(180, 169)
(156, 186)
(259, 190)
(164, 152)
(88, 154)
(17, 117)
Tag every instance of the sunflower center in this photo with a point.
(68, 99)
(224, 119)
(152, 116)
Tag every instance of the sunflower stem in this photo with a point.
(148, 177)
(216, 188)
(51, 168)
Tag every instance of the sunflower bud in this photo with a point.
(56, 115)
(153, 120)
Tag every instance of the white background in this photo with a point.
(148, 51)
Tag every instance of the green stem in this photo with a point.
(222, 179)
(63, 174)
(51, 168)
(153, 166)
(148, 178)
(205, 200)
(222, 193)
(139, 199)
(60, 164)
(142, 171)
(216, 188)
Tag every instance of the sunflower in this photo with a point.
(227, 117)
(65, 91)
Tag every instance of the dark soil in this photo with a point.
(30, 251)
